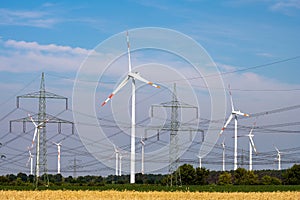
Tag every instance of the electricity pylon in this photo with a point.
(174, 126)
(42, 116)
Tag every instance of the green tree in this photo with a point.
(252, 178)
(225, 179)
(3, 180)
(244, 177)
(187, 174)
(240, 176)
(22, 176)
(269, 180)
(201, 176)
(292, 175)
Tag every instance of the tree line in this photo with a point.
(184, 175)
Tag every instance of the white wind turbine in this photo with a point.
(143, 152)
(278, 158)
(223, 160)
(37, 133)
(30, 160)
(36, 129)
(133, 76)
(234, 114)
(58, 156)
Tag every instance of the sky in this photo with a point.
(254, 44)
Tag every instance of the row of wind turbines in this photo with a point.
(234, 115)
(133, 76)
(119, 156)
(37, 128)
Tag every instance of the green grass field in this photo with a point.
(193, 188)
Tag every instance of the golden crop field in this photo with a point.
(131, 195)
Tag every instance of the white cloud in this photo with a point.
(21, 56)
(264, 54)
(34, 46)
(26, 18)
(286, 6)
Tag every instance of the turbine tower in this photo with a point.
(117, 159)
(143, 152)
(200, 162)
(223, 160)
(234, 114)
(58, 156)
(133, 76)
(120, 164)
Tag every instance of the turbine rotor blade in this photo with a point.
(231, 100)
(34, 136)
(277, 150)
(252, 143)
(30, 156)
(128, 52)
(242, 114)
(122, 84)
(32, 120)
(226, 124)
(138, 77)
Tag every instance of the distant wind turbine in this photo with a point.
(133, 76)
(251, 146)
(278, 158)
(37, 133)
(30, 160)
(234, 114)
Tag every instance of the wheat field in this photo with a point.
(131, 195)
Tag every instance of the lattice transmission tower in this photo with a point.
(175, 126)
(42, 116)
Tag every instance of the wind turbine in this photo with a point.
(30, 159)
(117, 159)
(143, 152)
(133, 76)
(120, 164)
(234, 114)
(223, 147)
(37, 133)
(58, 156)
(36, 129)
(278, 158)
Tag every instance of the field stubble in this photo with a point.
(130, 195)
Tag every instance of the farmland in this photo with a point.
(112, 194)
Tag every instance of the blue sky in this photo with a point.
(238, 33)
(56, 36)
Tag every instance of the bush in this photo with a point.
(292, 175)
(269, 180)
(225, 179)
